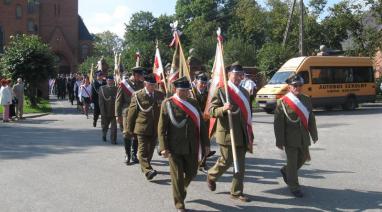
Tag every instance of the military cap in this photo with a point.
(138, 70)
(202, 77)
(295, 80)
(182, 83)
(98, 73)
(150, 78)
(235, 68)
(110, 77)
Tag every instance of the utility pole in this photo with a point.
(288, 24)
(301, 40)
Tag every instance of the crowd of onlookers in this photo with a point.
(12, 99)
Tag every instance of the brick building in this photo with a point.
(57, 22)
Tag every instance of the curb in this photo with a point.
(32, 115)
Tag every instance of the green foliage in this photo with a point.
(271, 56)
(26, 56)
(237, 49)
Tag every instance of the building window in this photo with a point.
(31, 26)
(84, 51)
(19, 11)
(31, 6)
(1, 40)
(7, 2)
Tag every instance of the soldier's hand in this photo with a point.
(227, 106)
(281, 147)
(165, 153)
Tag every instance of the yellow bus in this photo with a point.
(329, 81)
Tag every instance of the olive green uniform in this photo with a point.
(181, 142)
(223, 138)
(142, 120)
(107, 108)
(122, 103)
(294, 137)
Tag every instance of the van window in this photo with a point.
(280, 77)
(305, 76)
(337, 75)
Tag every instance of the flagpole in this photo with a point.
(233, 143)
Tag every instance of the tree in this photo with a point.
(26, 56)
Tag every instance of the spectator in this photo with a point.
(250, 86)
(18, 91)
(5, 99)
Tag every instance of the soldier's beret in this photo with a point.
(150, 78)
(236, 68)
(202, 77)
(138, 70)
(110, 77)
(182, 83)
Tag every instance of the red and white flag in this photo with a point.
(298, 107)
(217, 81)
(137, 59)
(158, 67)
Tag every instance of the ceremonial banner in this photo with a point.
(298, 107)
(194, 115)
(241, 100)
(126, 87)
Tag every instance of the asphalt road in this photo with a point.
(59, 163)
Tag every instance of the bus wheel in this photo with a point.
(350, 103)
(269, 111)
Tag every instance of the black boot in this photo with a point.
(135, 150)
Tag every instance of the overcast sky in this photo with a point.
(102, 15)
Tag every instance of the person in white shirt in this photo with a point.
(250, 86)
(85, 95)
(5, 99)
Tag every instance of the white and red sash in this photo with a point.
(241, 100)
(195, 117)
(127, 88)
(86, 91)
(298, 107)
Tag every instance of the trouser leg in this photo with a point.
(96, 113)
(105, 121)
(222, 164)
(127, 144)
(144, 152)
(113, 130)
(238, 178)
(177, 180)
(135, 146)
(190, 169)
(295, 159)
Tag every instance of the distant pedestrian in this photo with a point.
(85, 95)
(248, 84)
(5, 99)
(18, 91)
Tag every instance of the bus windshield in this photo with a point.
(280, 77)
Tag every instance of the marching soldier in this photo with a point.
(97, 83)
(201, 96)
(294, 122)
(106, 98)
(142, 120)
(126, 89)
(182, 136)
(242, 128)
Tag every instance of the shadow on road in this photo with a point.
(28, 142)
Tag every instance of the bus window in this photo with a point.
(280, 77)
(363, 74)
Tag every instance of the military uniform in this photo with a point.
(142, 120)
(223, 138)
(294, 136)
(106, 98)
(95, 93)
(177, 134)
(121, 108)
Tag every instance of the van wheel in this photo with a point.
(269, 111)
(350, 104)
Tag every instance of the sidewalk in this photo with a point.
(28, 115)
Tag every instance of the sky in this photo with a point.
(103, 15)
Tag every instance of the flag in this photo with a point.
(137, 58)
(179, 66)
(118, 68)
(217, 81)
(158, 67)
(91, 73)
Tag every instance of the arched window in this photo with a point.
(31, 26)
(7, 2)
(1, 40)
(19, 11)
(31, 6)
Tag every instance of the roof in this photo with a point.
(83, 30)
